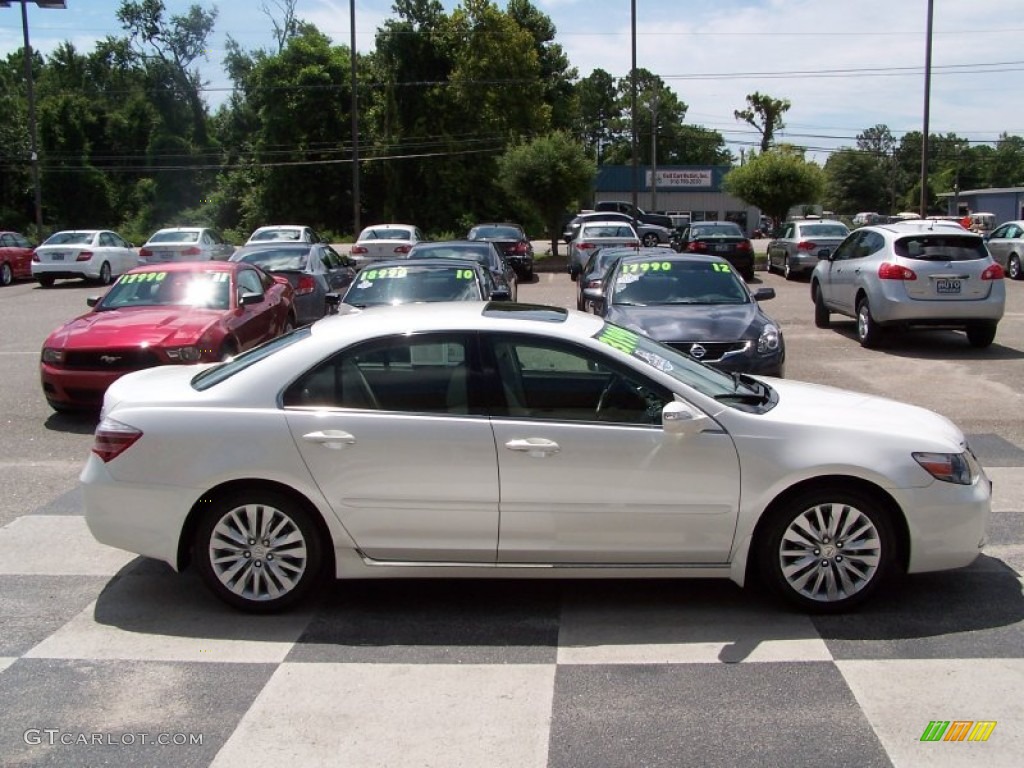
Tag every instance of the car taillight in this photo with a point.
(887, 271)
(743, 245)
(520, 248)
(696, 246)
(193, 251)
(35, 257)
(358, 250)
(84, 256)
(585, 246)
(994, 272)
(403, 249)
(307, 284)
(112, 438)
(145, 253)
(806, 246)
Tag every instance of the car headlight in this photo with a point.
(948, 467)
(53, 356)
(768, 341)
(185, 354)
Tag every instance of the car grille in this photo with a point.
(111, 360)
(713, 350)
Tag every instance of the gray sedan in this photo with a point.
(313, 269)
(1006, 244)
(795, 251)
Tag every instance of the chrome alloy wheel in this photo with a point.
(830, 552)
(258, 552)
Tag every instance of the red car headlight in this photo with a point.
(53, 356)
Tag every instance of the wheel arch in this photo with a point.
(195, 514)
(840, 483)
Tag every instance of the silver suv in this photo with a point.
(912, 273)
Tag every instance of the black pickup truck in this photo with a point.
(629, 209)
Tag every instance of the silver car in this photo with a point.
(595, 235)
(913, 273)
(795, 251)
(186, 244)
(1006, 244)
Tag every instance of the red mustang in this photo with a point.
(191, 312)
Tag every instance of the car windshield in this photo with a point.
(70, 238)
(385, 233)
(277, 234)
(705, 379)
(414, 283)
(202, 289)
(944, 247)
(277, 259)
(824, 230)
(215, 374)
(176, 236)
(497, 233)
(650, 283)
(715, 230)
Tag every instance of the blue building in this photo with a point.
(1007, 203)
(693, 191)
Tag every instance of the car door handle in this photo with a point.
(335, 439)
(537, 447)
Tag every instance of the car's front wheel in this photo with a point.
(6, 274)
(1013, 269)
(106, 276)
(868, 331)
(787, 271)
(259, 551)
(46, 282)
(981, 334)
(827, 549)
(821, 313)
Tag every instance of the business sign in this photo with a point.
(677, 179)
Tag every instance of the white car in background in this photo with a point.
(385, 241)
(289, 233)
(89, 254)
(185, 244)
(498, 440)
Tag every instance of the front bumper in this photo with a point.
(76, 388)
(946, 523)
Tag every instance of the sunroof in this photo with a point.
(517, 311)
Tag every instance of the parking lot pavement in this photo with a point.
(108, 659)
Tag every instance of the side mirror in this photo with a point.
(333, 302)
(762, 294)
(245, 299)
(825, 253)
(92, 301)
(679, 418)
(501, 294)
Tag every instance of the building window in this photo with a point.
(737, 217)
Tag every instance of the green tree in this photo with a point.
(776, 180)
(764, 113)
(854, 181)
(551, 174)
(1006, 167)
(597, 110)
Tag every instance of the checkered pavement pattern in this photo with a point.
(109, 659)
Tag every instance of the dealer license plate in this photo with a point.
(56, 257)
(947, 285)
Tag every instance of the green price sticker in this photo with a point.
(721, 268)
(647, 266)
(619, 338)
(144, 277)
(464, 274)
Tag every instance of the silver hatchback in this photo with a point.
(907, 274)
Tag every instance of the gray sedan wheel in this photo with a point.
(821, 313)
(787, 271)
(827, 549)
(258, 551)
(1013, 269)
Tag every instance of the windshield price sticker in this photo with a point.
(619, 338)
(721, 268)
(144, 277)
(464, 274)
(647, 266)
(384, 274)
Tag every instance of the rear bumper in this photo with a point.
(68, 270)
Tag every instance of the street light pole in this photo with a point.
(30, 90)
(632, 103)
(654, 151)
(355, 122)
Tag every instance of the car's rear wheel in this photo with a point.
(981, 334)
(1013, 269)
(259, 551)
(827, 549)
(787, 271)
(46, 282)
(650, 240)
(821, 313)
(868, 331)
(106, 276)
(6, 274)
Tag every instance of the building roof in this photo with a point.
(989, 191)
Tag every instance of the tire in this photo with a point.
(827, 549)
(258, 574)
(650, 240)
(787, 272)
(1013, 269)
(289, 325)
(227, 351)
(748, 274)
(6, 274)
(821, 313)
(106, 276)
(868, 331)
(46, 282)
(981, 335)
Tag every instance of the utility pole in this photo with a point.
(356, 203)
(654, 151)
(632, 104)
(927, 107)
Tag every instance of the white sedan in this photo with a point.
(503, 440)
(92, 254)
(384, 242)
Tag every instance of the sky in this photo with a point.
(845, 65)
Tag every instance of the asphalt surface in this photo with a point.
(93, 640)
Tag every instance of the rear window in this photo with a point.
(824, 230)
(271, 260)
(718, 230)
(606, 231)
(70, 238)
(386, 234)
(504, 233)
(941, 248)
(175, 236)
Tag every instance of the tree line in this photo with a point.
(462, 116)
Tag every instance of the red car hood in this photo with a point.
(135, 326)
